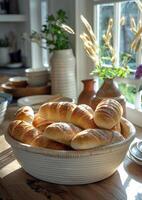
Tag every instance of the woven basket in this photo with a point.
(71, 167)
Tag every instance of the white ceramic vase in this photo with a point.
(63, 80)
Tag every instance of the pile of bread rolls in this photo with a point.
(67, 126)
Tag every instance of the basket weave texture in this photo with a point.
(71, 167)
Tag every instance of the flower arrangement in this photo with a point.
(93, 50)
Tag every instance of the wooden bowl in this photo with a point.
(25, 91)
(18, 81)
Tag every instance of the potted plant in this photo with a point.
(55, 34)
(105, 63)
(4, 51)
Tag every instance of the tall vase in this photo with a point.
(88, 92)
(63, 79)
(4, 56)
(109, 90)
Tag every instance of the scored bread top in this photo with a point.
(22, 131)
(91, 138)
(25, 113)
(108, 113)
(68, 112)
(61, 132)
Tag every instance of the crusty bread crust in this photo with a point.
(108, 113)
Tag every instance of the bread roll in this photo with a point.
(88, 108)
(40, 123)
(22, 131)
(25, 113)
(91, 138)
(108, 113)
(61, 132)
(117, 127)
(82, 118)
(126, 127)
(67, 112)
(12, 125)
(43, 141)
(56, 111)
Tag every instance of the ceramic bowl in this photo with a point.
(37, 77)
(71, 167)
(5, 97)
(18, 81)
(4, 100)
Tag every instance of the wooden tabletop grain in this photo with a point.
(16, 184)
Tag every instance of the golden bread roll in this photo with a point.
(25, 113)
(67, 112)
(88, 108)
(108, 113)
(117, 127)
(12, 125)
(126, 127)
(91, 138)
(56, 111)
(43, 141)
(40, 123)
(22, 131)
(61, 132)
(82, 118)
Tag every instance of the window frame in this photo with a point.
(134, 112)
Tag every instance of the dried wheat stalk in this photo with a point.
(67, 28)
(139, 3)
(122, 21)
(90, 43)
(136, 44)
(107, 40)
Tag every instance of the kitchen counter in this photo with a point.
(15, 183)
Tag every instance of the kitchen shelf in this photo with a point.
(12, 18)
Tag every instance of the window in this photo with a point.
(43, 21)
(38, 15)
(108, 12)
(128, 10)
(122, 37)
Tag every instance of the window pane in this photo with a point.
(128, 9)
(44, 19)
(128, 91)
(106, 11)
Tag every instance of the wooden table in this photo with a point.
(15, 183)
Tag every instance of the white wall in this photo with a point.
(84, 64)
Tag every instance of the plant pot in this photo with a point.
(108, 90)
(63, 80)
(88, 92)
(4, 56)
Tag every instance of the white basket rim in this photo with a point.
(72, 153)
